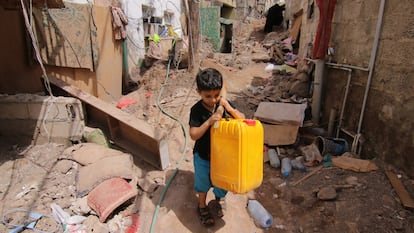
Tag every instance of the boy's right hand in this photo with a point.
(215, 117)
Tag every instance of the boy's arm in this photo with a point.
(234, 112)
(197, 132)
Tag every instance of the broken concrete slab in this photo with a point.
(43, 118)
(63, 166)
(91, 175)
(281, 113)
(88, 153)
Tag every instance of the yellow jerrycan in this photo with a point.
(237, 155)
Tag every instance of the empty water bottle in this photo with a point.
(286, 167)
(259, 213)
(273, 158)
(297, 164)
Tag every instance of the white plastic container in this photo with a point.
(286, 167)
(259, 213)
(273, 158)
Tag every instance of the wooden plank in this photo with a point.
(307, 175)
(402, 193)
(296, 28)
(194, 15)
(125, 130)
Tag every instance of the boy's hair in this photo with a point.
(209, 79)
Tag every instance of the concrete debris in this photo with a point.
(80, 206)
(63, 166)
(91, 175)
(327, 194)
(94, 225)
(88, 153)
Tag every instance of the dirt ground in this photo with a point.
(34, 177)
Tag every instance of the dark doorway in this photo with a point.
(226, 37)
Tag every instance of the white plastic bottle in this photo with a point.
(286, 167)
(259, 213)
(273, 158)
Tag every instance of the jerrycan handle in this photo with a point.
(250, 122)
(220, 109)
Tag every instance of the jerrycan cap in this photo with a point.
(250, 122)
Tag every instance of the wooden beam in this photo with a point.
(194, 35)
(399, 188)
(125, 130)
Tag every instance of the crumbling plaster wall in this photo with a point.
(18, 73)
(388, 122)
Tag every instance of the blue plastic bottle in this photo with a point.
(286, 167)
(296, 164)
(259, 213)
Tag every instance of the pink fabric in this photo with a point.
(323, 33)
(125, 102)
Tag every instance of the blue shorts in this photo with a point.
(202, 181)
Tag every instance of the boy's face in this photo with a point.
(210, 97)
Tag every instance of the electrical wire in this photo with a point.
(46, 81)
(167, 185)
(37, 52)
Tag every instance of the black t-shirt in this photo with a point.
(198, 115)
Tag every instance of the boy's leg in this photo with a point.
(218, 205)
(202, 200)
(219, 193)
(202, 184)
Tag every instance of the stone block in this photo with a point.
(45, 119)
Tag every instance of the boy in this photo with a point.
(202, 116)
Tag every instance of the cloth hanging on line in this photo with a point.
(119, 21)
(323, 33)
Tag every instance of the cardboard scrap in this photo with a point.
(277, 135)
(357, 165)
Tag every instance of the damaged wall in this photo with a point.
(136, 35)
(388, 123)
(18, 73)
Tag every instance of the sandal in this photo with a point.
(218, 206)
(205, 216)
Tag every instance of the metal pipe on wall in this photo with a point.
(372, 62)
(317, 90)
(370, 71)
(348, 83)
(347, 66)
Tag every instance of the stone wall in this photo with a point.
(388, 122)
